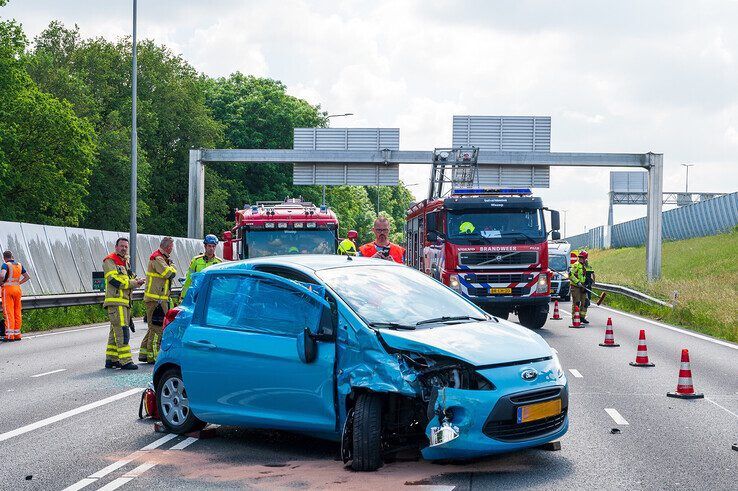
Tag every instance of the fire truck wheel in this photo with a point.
(533, 317)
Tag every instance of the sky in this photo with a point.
(626, 76)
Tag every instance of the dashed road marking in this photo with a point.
(48, 373)
(721, 407)
(615, 415)
(184, 443)
(576, 373)
(68, 414)
(83, 483)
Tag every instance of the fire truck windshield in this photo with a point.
(283, 242)
(496, 226)
(557, 262)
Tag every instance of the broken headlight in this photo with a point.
(436, 372)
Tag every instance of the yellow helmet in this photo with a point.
(466, 228)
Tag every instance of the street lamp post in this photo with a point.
(564, 227)
(327, 117)
(686, 184)
(134, 151)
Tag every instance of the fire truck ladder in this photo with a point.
(453, 168)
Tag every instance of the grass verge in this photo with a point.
(55, 317)
(702, 271)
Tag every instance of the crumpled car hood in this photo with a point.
(477, 343)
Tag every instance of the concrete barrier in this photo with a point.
(61, 260)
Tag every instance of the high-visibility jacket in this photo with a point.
(577, 274)
(396, 252)
(198, 263)
(118, 281)
(159, 274)
(347, 247)
(13, 275)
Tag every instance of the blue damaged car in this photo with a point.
(370, 353)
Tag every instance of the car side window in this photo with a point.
(260, 305)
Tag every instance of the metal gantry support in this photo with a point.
(650, 161)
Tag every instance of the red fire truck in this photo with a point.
(271, 228)
(489, 245)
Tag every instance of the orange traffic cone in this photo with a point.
(609, 336)
(575, 323)
(556, 316)
(642, 355)
(685, 389)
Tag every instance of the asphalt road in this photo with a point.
(66, 421)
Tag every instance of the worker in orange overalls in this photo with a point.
(12, 276)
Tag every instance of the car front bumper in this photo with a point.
(486, 421)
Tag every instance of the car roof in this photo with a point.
(304, 262)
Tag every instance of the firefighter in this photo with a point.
(577, 281)
(159, 274)
(12, 276)
(201, 261)
(381, 247)
(119, 282)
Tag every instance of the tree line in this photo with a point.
(65, 137)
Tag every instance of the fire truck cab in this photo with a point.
(274, 228)
(489, 245)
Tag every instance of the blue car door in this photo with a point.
(240, 362)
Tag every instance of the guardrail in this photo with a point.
(629, 292)
(75, 299)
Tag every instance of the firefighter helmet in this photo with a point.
(466, 228)
(583, 254)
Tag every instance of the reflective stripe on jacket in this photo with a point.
(159, 274)
(118, 281)
(577, 274)
(197, 264)
(347, 247)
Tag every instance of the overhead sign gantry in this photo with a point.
(337, 165)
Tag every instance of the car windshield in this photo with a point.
(558, 262)
(398, 297)
(262, 243)
(496, 226)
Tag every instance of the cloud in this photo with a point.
(629, 76)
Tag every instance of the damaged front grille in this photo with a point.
(436, 372)
(510, 430)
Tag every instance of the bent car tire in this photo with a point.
(173, 405)
(367, 451)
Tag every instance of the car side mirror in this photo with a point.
(432, 236)
(307, 346)
(555, 235)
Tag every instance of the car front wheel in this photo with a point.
(367, 434)
(174, 405)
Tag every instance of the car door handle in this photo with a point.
(201, 344)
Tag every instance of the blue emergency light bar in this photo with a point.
(518, 191)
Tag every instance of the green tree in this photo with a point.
(46, 151)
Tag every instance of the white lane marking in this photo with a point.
(615, 415)
(115, 484)
(721, 407)
(676, 329)
(139, 470)
(68, 414)
(576, 373)
(184, 443)
(161, 441)
(65, 332)
(48, 373)
(82, 483)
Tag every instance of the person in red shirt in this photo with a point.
(382, 248)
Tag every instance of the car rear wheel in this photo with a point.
(174, 405)
(367, 434)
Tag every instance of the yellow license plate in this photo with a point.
(533, 412)
(500, 291)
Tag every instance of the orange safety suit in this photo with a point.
(396, 252)
(12, 301)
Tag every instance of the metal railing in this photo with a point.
(74, 299)
(629, 292)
